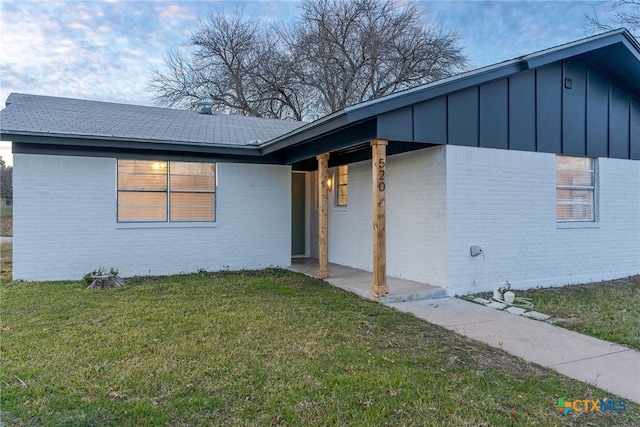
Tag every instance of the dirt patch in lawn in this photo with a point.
(6, 226)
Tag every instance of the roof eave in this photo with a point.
(435, 89)
(306, 132)
(54, 139)
(583, 46)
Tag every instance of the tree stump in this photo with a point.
(106, 281)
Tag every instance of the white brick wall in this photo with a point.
(442, 200)
(65, 222)
(350, 236)
(505, 201)
(416, 221)
(416, 226)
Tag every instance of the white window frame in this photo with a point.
(339, 184)
(587, 188)
(167, 192)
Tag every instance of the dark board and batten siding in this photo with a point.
(566, 108)
(462, 114)
(494, 123)
(635, 130)
(548, 108)
(522, 95)
(597, 115)
(574, 109)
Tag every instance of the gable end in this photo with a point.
(567, 107)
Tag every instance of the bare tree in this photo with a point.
(358, 50)
(236, 64)
(337, 54)
(624, 13)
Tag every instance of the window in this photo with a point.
(575, 188)
(316, 191)
(166, 191)
(343, 185)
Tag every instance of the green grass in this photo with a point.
(6, 220)
(6, 261)
(608, 310)
(253, 349)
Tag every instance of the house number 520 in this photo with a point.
(381, 184)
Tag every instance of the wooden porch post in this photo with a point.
(379, 165)
(323, 216)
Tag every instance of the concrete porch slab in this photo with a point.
(359, 282)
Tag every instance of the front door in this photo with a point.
(298, 214)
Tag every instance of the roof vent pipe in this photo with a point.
(206, 106)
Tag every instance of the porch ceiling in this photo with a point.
(348, 144)
(357, 153)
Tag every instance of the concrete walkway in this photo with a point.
(612, 367)
(6, 239)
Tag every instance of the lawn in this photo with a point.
(6, 220)
(257, 348)
(6, 261)
(608, 310)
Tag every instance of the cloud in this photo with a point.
(494, 31)
(78, 49)
(105, 49)
(173, 13)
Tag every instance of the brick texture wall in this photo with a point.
(505, 202)
(442, 200)
(416, 214)
(65, 222)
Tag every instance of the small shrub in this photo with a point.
(88, 278)
(505, 288)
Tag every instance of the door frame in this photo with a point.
(307, 211)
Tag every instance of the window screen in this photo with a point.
(343, 185)
(575, 188)
(166, 191)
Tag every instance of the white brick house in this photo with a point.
(536, 161)
(65, 224)
(501, 200)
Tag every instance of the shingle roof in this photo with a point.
(34, 114)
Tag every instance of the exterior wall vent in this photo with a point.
(206, 106)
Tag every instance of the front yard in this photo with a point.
(6, 261)
(607, 310)
(6, 220)
(257, 348)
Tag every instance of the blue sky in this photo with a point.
(104, 50)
